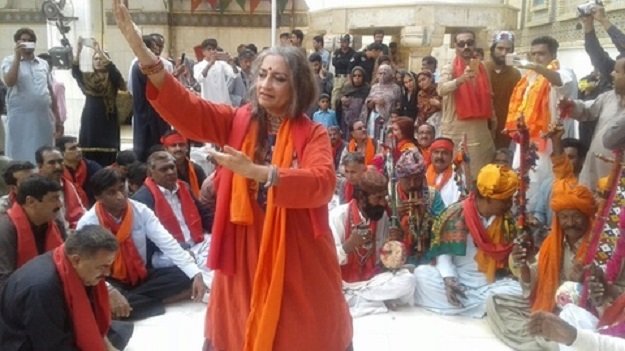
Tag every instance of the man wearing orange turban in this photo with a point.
(471, 242)
(560, 259)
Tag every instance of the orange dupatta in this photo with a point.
(369, 150)
(431, 175)
(534, 106)
(193, 181)
(128, 266)
(268, 286)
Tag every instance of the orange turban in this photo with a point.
(497, 182)
(565, 195)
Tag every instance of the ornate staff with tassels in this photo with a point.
(600, 220)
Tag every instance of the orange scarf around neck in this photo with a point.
(533, 105)
(78, 177)
(473, 98)
(91, 318)
(268, 288)
(431, 176)
(26, 246)
(128, 266)
(550, 266)
(369, 151)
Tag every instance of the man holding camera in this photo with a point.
(214, 74)
(535, 97)
(29, 100)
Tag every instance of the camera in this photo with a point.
(586, 8)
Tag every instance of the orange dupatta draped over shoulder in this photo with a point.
(268, 286)
(128, 266)
(534, 106)
(369, 150)
(193, 181)
(473, 99)
(431, 176)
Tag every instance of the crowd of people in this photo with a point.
(336, 185)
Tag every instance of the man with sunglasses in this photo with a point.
(535, 97)
(467, 102)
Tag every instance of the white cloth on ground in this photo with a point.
(373, 295)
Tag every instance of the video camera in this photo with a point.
(586, 8)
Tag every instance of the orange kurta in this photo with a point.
(314, 315)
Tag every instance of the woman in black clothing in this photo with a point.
(409, 96)
(99, 126)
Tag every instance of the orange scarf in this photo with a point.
(128, 266)
(78, 178)
(369, 151)
(268, 285)
(91, 319)
(431, 176)
(534, 106)
(26, 247)
(241, 212)
(493, 251)
(473, 98)
(166, 215)
(73, 206)
(193, 181)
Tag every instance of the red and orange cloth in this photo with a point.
(473, 99)
(566, 195)
(369, 151)
(26, 246)
(91, 318)
(74, 208)
(128, 266)
(166, 215)
(533, 105)
(176, 138)
(431, 174)
(355, 270)
(78, 178)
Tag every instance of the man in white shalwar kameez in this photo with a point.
(360, 228)
(471, 244)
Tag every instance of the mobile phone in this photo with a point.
(514, 59)
(474, 64)
(88, 42)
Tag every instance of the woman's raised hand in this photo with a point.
(131, 32)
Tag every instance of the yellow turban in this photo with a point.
(497, 182)
(603, 184)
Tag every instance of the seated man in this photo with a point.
(417, 203)
(30, 227)
(471, 243)
(560, 259)
(13, 176)
(352, 168)
(440, 173)
(77, 169)
(338, 144)
(123, 161)
(360, 229)
(133, 223)
(178, 210)
(59, 301)
(550, 327)
(50, 163)
(188, 171)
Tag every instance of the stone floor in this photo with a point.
(406, 329)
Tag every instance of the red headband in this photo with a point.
(442, 144)
(173, 138)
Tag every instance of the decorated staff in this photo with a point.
(462, 170)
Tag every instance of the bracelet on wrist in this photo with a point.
(154, 68)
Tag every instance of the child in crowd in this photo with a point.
(324, 114)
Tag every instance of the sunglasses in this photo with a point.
(357, 75)
(464, 44)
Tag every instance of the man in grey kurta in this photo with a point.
(608, 109)
(30, 117)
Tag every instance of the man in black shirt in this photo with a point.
(340, 61)
(366, 60)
